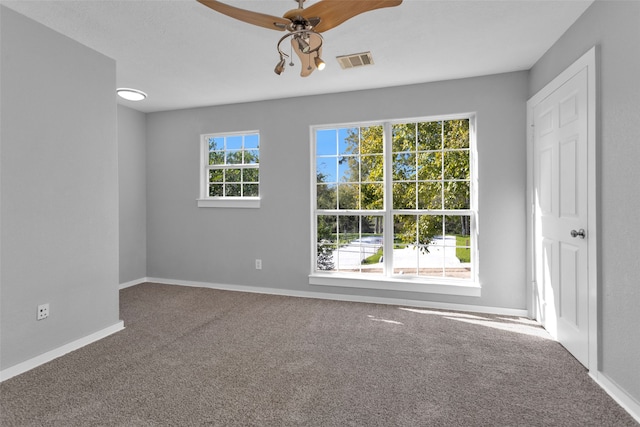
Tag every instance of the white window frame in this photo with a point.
(206, 201)
(422, 284)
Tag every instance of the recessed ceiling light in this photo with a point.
(131, 94)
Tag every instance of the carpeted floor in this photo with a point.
(192, 357)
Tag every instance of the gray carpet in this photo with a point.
(191, 357)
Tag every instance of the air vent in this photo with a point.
(355, 60)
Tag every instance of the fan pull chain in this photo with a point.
(291, 64)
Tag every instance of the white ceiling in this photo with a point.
(185, 55)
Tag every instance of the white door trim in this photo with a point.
(588, 61)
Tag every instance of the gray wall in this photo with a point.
(132, 170)
(59, 209)
(615, 28)
(220, 245)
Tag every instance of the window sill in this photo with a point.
(448, 287)
(230, 202)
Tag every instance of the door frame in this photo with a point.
(588, 61)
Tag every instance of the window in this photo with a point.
(230, 174)
(393, 202)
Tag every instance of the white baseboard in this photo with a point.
(618, 394)
(341, 297)
(133, 282)
(60, 351)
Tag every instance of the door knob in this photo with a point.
(580, 233)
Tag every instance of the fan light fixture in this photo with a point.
(304, 25)
(305, 42)
(319, 63)
(131, 94)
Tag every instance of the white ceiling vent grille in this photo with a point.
(355, 60)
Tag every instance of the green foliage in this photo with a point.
(463, 252)
(325, 257)
(431, 170)
(373, 259)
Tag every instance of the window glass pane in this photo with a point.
(327, 142)
(430, 165)
(233, 175)
(234, 157)
(458, 225)
(216, 190)
(232, 190)
(456, 133)
(429, 136)
(404, 167)
(458, 246)
(415, 245)
(349, 196)
(251, 141)
(216, 158)
(348, 228)
(430, 195)
(405, 230)
(250, 175)
(431, 256)
(251, 157)
(361, 251)
(372, 227)
(456, 195)
(250, 190)
(462, 272)
(404, 137)
(216, 175)
(431, 265)
(325, 256)
(326, 169)
(372, 196)
(327, 228)
(349, 249)
(326, 196)
(216, 143)
(371, 242)
(349, 169)
(372, 168)
(371, 140)
(404, 239)
(326, 242)
(234, 142)
(429, 229)
(404, 195)
(348, 141)
(456, 164)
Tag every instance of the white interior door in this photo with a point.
(560, 214)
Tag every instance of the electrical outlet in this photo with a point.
(258, 264)
(43, 311)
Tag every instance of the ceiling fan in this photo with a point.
(303, 25)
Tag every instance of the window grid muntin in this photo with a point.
(469, 210)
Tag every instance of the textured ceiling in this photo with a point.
(185, 55)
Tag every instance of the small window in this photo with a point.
(230, 170)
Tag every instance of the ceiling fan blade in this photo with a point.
(335, 12)
(307, 62)
(255, 18)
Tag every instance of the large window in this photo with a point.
(229, 173)
(395, 201)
